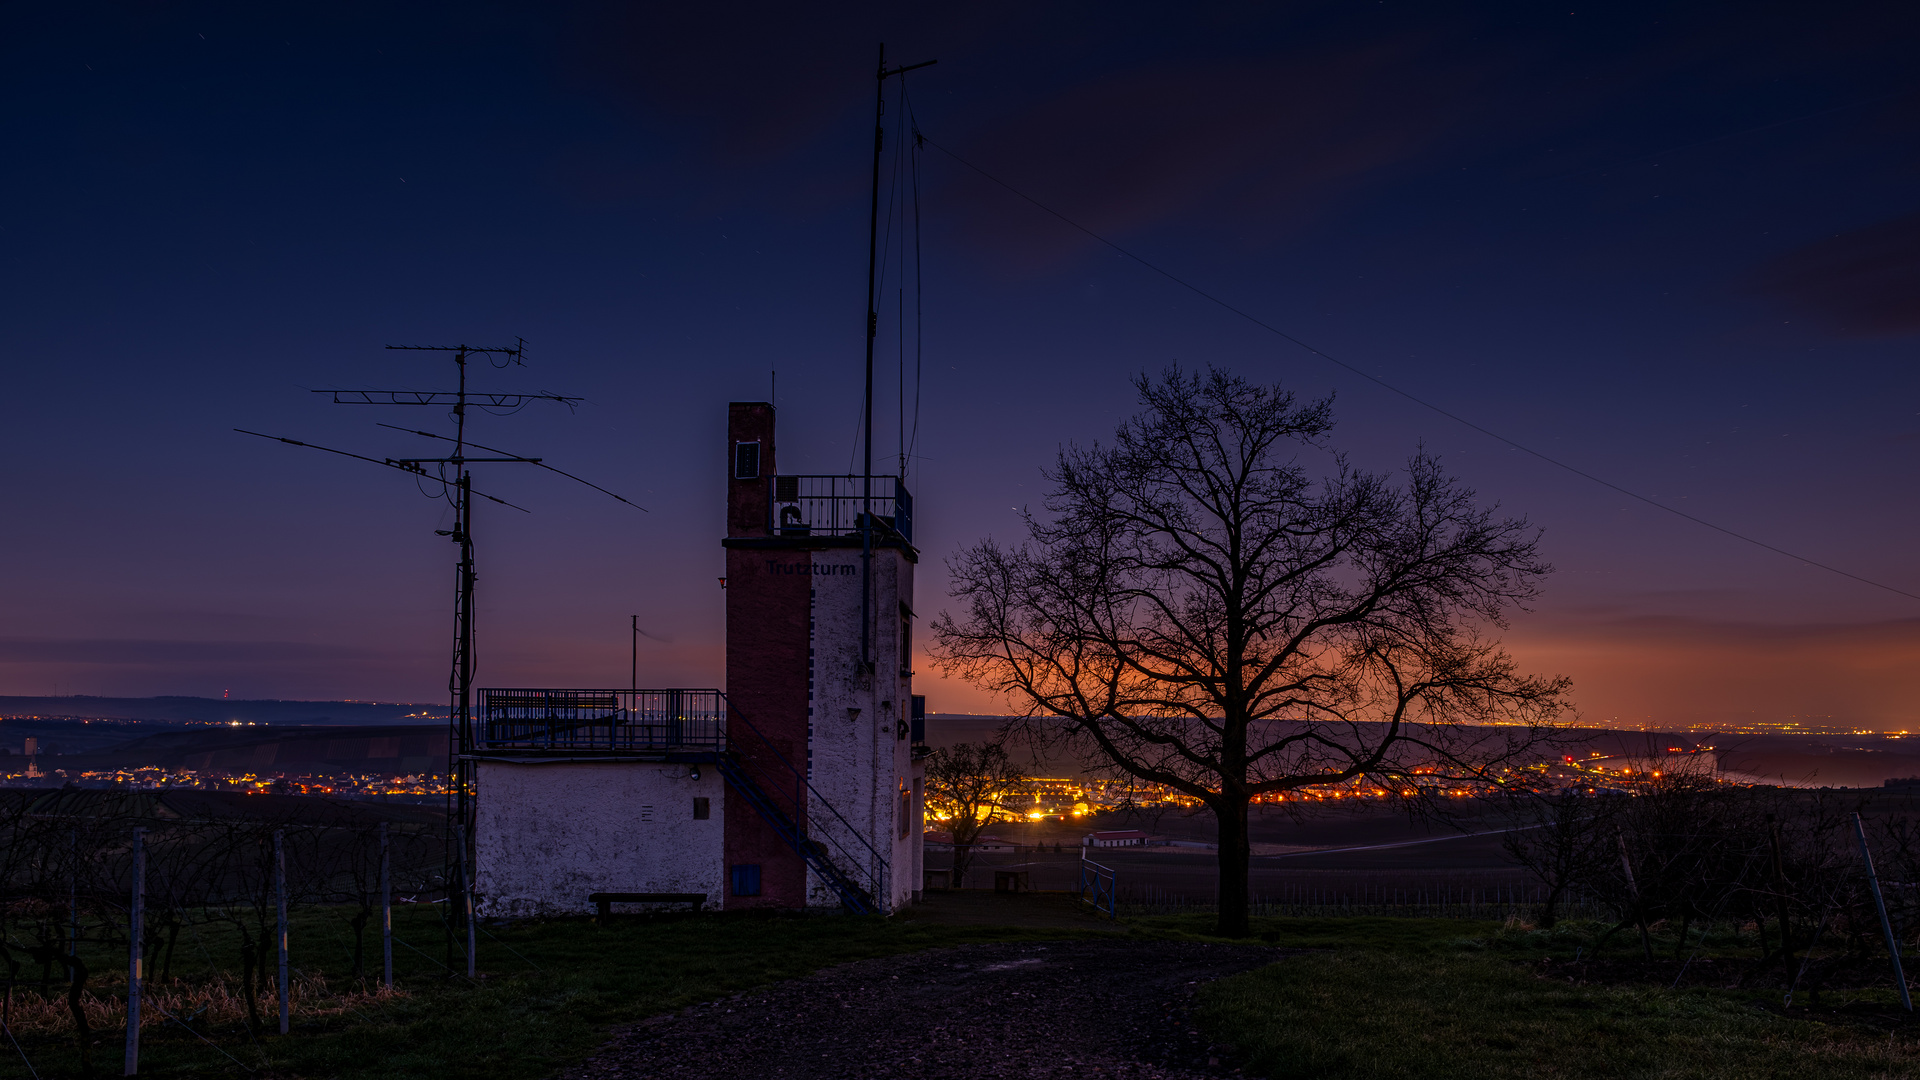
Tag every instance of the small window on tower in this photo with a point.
(646, 812)
(746, 879)
(746, 461)
(906, 811)
(702, 809)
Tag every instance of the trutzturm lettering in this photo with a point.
(817, 570)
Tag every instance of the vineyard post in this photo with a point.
(386, 911)
(280, 898)
(136, 923)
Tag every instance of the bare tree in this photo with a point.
(1689, 847)
(970, 784)
(1567, 839)
(1202, 609)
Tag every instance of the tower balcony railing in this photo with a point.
(600, 721)
(833, 505)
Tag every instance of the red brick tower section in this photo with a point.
(766, 663)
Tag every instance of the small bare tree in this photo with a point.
(1200, 608)
(1567, 839)
(970, 784)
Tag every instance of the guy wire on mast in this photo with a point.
(460, 717)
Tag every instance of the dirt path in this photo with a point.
(1112, 1009)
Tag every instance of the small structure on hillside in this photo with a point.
(799, 785)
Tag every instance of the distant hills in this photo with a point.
(102, 733)
(388, 750)
(1857, 760)
(211, 733)
(221, 711)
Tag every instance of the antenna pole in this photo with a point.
(633, 677)
(460, 722)
(881, 75)
(873, 328)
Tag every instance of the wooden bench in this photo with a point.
(604, 901)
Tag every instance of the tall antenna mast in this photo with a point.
(881, 75)
(460, 487)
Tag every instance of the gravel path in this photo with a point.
(1110, 1009)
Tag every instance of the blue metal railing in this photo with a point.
(1096, 887)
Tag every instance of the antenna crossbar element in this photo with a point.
(470, 350)
(442, 397)
(412, 467)
(532, 461)
(460, 460)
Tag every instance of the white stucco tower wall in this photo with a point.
(860, 755)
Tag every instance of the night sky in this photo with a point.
(1675, 246)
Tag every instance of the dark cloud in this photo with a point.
(752, 83)
(1128, 114)
(1254, 142)
(1865, 283)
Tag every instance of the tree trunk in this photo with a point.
(247, 962)
(1234, 855)
(962, 858)
(1548, 912)
(173, 937)
(77, 983)
(13, 976)
(263, 962)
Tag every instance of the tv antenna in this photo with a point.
(459, 490)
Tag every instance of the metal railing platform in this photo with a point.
(599, 721)
(834, 505)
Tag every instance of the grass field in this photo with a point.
(547, 994)
(1399, 999)
(1364, 997)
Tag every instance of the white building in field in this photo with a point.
(798, 786)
